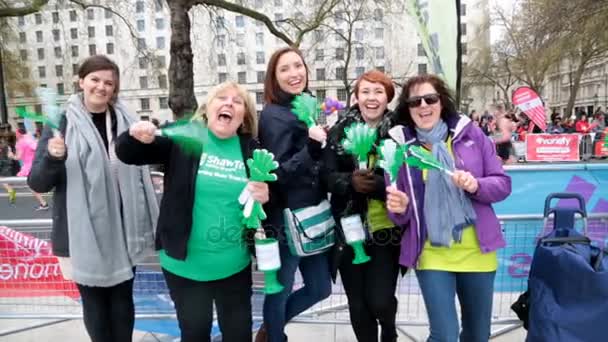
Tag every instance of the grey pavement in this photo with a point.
(23, 207)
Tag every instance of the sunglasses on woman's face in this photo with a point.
(416, 101)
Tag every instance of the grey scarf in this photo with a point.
(111, 206)
(447, 209)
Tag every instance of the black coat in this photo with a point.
(175, 218)
(298, 184)
(338, 167)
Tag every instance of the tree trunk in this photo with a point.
(576, 83)
(181, 72)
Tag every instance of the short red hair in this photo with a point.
(376, 76)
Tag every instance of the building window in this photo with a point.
(109, 30)
(40, 53)
(359, 71)
(278, 3)
(39, 36)
(74, 50)
(110, 48)
(278, 16)
(422, 69)
(158, 5)
(161, 62)
(378, 14)
(25, 72)
(342, 95)
(143, 82)
(144, 104)
(160, 42)
(221, 59)
(92, 49)
(240, 21)
(259, 39)
(359, 53)
(420, 49)
(318, 36)
(379, 33)
(74, 33)
(108, 14)
(261, 76)
(90, 14)
(57, 51)
(340, 73)
(318, 54)
(242, 77)
(220, 22)
(141, 25)
(21, 21)
(259, 57)
(220, 41)
(222, 77)
(74, 69)
(73, 15)
(163, 102)
(143, 62)
(91, 31)
(463, 9)
(22, 37)
(160, 23)
(359, 34)
(56, 35)
(141, 43)
(463, 29)
(59, 70)
(321, 74)
(139, 7)
(321, 94)
(23, 55)
(240, 58)
(41, 72)
(259, 97)
(463, 48)
(38, 18)
(60, 89)
(55, 16)
(240, 39)
(162, 81)
(340, 54)
(380, 68)
(76, 86)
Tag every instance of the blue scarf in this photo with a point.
(447, 209)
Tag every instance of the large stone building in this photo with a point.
(225, 45)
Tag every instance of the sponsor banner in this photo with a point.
(528, 101)
(28, 267)
(552, 147)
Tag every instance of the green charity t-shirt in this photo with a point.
(216, 249)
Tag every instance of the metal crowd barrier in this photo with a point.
(24, 295)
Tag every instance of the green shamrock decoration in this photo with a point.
(359, 141)
(306, 108)
(392, 158)
(260, 168)
(424, 160)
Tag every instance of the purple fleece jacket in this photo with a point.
(473, 152)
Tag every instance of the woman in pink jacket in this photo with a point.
(25, 150)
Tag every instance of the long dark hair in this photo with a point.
(448, 103)
(272, 90)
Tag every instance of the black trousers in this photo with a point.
(370, 287)
(109, 312)
(194, 306)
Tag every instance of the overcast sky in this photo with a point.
(507, 5)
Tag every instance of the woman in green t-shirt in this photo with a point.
(200, 235)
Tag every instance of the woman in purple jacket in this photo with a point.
(451, 232)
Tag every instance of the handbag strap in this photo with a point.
(298, 224)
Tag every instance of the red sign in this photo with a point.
(28, 268)
(552, 147)
(528, 101)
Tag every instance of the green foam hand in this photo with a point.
(306, 108)
(392, 158)
(190, 135)
(260, 165)
(48, 99)
(359, 141)
(422, 159)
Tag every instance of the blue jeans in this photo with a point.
(475, 294)
(280, 308)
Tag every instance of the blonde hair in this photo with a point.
(250, 119)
